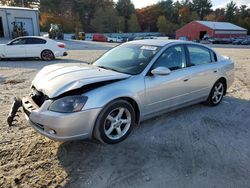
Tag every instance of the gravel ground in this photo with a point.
(197, 146)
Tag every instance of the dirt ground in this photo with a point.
(197, 146)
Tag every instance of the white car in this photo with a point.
(32, 46)
(114, 39)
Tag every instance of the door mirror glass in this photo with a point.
(161, 71)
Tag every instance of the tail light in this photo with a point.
(61, 45)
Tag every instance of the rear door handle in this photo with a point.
(186, 79)
(215, 71)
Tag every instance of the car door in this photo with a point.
(203, 71)
(16, 48)
(166, 91)
(35, 46)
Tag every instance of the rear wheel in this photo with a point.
(115, 122)
(47, 55)
(216, 94)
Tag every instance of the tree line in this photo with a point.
(166, 16)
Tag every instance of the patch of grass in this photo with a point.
(14, 82)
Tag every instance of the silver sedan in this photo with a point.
(128, 84)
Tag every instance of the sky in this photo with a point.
(216, 3)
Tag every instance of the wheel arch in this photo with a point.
(131, 101)
(135, 106)
(224, 80)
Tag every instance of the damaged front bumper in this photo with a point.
(60, 126)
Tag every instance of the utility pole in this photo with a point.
(22, 3)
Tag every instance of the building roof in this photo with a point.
(17, 8)
(221, 25)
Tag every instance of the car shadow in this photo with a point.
(33, 63)
(197, 146)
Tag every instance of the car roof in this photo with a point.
(38, 37)
(159, 42)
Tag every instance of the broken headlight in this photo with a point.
(68, 104)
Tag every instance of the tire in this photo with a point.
(217, 93)
(115, 122)
(47, 55)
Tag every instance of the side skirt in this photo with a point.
(158, 113)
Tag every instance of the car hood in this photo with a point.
(54, 80)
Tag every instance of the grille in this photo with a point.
(39, 126)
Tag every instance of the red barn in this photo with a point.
(196, 30)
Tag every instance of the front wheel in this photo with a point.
(47, 55)
(115, 122)
(216, 94)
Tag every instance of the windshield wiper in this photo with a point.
(108, 68)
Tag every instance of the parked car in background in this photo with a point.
(132, 82)
(237, 41)
(149, 37)
(212, 40)
(99, 38)
(115, 39)
(246, 41)
(207, 40)
(138, 38)
(79, 36)
(185, 38)
(32, 47)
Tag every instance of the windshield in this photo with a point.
(128, 58)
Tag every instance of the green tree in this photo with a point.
(120, 24)
(162, 24)
(243, 12)
(166, 26)
(105, 20)
(125, 8)
(86, 10)
(202, 7)
(167, 9)
(231, 11)
(133, 24)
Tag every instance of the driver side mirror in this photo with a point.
(161, 71)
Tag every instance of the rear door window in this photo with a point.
(198, 55)
(35, 41)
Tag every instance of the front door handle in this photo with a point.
(186, 79)
(215, 71)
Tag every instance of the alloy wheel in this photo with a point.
(218, 93)
(117, 123)
(47, 55)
